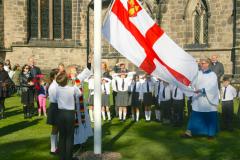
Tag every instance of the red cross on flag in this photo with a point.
(133, 33)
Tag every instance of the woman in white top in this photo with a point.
(66, 115)
(106, 82)
(204, 116)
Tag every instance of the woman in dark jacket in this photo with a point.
(5, 81)
(27, 87)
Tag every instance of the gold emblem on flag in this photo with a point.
(133, 8)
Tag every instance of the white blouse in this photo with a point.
(66, 97)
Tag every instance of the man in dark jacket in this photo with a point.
(4, 82)
(35, 74)
(35, 71)
(217, 67)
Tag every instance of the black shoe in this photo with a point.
(53, 153)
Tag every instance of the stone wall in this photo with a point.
(1, 24)
(2, 56)
(174, 21)
(47, 56)
(15, 22)
(177, 23)
(237, 58)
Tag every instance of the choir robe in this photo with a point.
(203, 120)
(83, 130)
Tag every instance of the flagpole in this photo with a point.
(97, 77)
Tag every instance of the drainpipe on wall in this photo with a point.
(88, 29)
(233, 53)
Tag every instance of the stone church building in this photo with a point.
(55, 31)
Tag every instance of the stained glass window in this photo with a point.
(60, 23)
(200, 27)
(45, 18)
(197, 28)
(68, 19)
(57, 19)
(205, 28)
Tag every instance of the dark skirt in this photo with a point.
(3, 92)
(203, 123)
(52, 114)
(90, 100)
(27, 97)
(147, 99)
(105, 100)
(134, 100)
(122, 99)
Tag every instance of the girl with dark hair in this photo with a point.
(52, 110)
(27, 87)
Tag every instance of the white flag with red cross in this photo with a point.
(134, 34)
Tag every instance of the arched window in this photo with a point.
(205, 28)
(50, 19)
(196, 16)
(200, 21)
(197, 27)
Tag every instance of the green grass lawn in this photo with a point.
(22, 139)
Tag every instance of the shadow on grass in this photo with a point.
(31, 149)
(10, 108)
(120, 134)
(106, 132)
(223, 147)
(13, 112)
(17, 126)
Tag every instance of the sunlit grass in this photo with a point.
(22, 139)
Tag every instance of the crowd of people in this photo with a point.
(134, 93)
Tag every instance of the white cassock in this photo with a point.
(83, 131)
(203, 120)
(209, 101)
